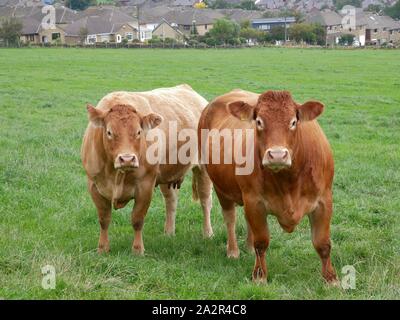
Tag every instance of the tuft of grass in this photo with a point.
(47, 217)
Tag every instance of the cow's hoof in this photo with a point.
(169, 232)
(103, 249)
(233, 253)
(138, 250)
(208, 233)
(250, 248)
(332, 281)
(334, 284)
(259, 276)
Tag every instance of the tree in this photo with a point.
(303, 32)
(79, 4)
(245, 24)
(276, 34)
(220, 4)
(375, 8)
(320, 33)
(251, 34)
(83, 33)
(394, 11)
(10, 31)
(225, 31)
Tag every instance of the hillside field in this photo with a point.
(47, 216)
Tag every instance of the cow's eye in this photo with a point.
(293, 124)
(109, 133)
(260, 124)
(139, 132)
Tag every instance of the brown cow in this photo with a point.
(292, 175)
(114, 155)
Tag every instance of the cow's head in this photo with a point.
(123, 133)
(277, 118)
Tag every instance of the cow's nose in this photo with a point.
(277, 154)
(128, 160)
(277, 158)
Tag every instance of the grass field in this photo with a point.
(47, 216)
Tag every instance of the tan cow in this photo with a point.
(292, 175)
(114, 155)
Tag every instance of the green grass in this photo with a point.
(47, 216)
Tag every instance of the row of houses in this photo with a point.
(130, 24)
(119, 24)
(366, 27)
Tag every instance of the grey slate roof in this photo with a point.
(240, 15)
(99, 20)
(325, 18)
(30, 25)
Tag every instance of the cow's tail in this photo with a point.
(195, 183)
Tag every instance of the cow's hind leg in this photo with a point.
(171, 200)
(104, 212)
(320, 230)
(202, 189)
(229, 212)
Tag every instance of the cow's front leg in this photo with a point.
(256, 217)
(171, 201)
(143, 196)
(104, 213)
(320, 221)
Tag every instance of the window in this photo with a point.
(31, 37)
(375, 30)
(129, 36)
(55, 36)
(205, 26)
(187, 27)
(118, 38)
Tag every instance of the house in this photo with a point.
(149, 18)
(165, 30)
(267, 24)
(394, 35)
(102, 24)
(30, 30)
(380, 29)
(331, 21)
(354, 23)
(191, 20)
(38, 29)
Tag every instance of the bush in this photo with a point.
(346, 40)
(10, 31)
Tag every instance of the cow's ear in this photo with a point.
(151, 121)
(310, 110)
(242, 110)
(96, 116)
